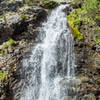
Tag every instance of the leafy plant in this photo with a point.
(11, 42)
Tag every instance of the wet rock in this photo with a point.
(84, 79)
(41, 15)
(89, 97)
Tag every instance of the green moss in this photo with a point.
(3, 76)
(24, 17)
(1, 51)
(5, 46)
(11, 42)
(76, 1)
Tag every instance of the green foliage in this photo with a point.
(24, 17)
(11, 42)
(77, 34)
(1, 51)
(97, 40)
(87, 15)
(74, 24)
(5, 46)
(91, 7)
(3, 76)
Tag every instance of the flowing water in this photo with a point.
(49, 72)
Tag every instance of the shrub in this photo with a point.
(11, 42)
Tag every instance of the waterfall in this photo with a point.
(49, 72)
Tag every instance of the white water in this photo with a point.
(50, 69)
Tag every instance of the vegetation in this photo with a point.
(3, 76)
(47, 3)
(24, 17)
(5, 46)
(11, 42)
(86, 15)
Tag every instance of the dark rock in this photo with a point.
(41, 15)
(9, 6)
(49, 4)
(68, 9)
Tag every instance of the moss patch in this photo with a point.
(5, 46)
(24, 17)
(11, 42)
(3, 76)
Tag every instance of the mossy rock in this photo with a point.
(49, 4)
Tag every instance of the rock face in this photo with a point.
(87, 70)
(14, 24)
(9, 5)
